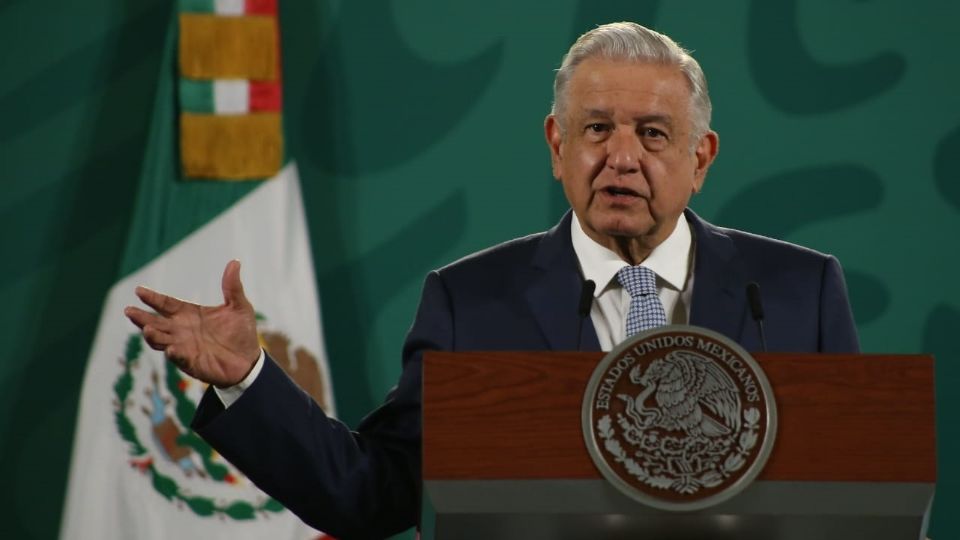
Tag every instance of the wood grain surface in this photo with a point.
(517, 416)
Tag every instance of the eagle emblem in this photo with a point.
(679, 418)
(683, 385)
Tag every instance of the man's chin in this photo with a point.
(627, 229)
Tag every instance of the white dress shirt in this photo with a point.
(231, 394)
(671, 261)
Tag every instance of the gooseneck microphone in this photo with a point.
(756, 310)
(583, 309)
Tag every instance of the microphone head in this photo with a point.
(586, 297)
(753, 298)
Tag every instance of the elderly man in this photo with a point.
(630, 140)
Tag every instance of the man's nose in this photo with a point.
(624, 152)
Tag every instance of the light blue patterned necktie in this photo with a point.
(646, 310)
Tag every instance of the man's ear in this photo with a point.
(705, 153)
(551, 130)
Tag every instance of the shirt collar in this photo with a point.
(670, 260)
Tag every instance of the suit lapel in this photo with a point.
(719, 285)
(552, 290)
(553, 283)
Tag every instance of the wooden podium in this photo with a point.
(504, 457)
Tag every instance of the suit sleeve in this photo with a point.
(350, 484)
(838, 332)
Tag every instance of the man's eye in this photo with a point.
(653, 133)
(598, 128)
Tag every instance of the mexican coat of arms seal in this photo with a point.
(679, 418)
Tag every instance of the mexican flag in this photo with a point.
(215, 186)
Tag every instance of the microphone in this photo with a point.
(586, 300)
(756, 310)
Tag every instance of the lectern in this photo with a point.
(504, 455)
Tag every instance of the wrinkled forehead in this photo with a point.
(628, 89)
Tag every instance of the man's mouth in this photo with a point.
(616, 191)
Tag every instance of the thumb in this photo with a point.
(231, 285)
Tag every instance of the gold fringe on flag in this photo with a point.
(215, 47)
(237, 147)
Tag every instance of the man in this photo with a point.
(630, 142)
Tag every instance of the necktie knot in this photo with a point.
(638, 280)
(646, 311)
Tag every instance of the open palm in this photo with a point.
(215, 344)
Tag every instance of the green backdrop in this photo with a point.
(417, 125)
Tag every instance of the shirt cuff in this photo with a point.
(231, 394)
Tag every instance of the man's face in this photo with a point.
(624, 151)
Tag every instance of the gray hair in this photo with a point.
(635, 43)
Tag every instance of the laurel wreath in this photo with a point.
(184, 409)
(711, 478)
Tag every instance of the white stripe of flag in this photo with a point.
(231, 96)
(229, 7)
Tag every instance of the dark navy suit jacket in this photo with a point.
(521, 295)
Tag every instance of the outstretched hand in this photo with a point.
(215, 344)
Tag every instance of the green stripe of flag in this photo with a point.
(196, 96)
(218, 7)
(196, 6)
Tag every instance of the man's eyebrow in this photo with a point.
(665, 119)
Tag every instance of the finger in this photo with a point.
(156, 339)
(231, 284)
(163, 304)
(143, 318)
